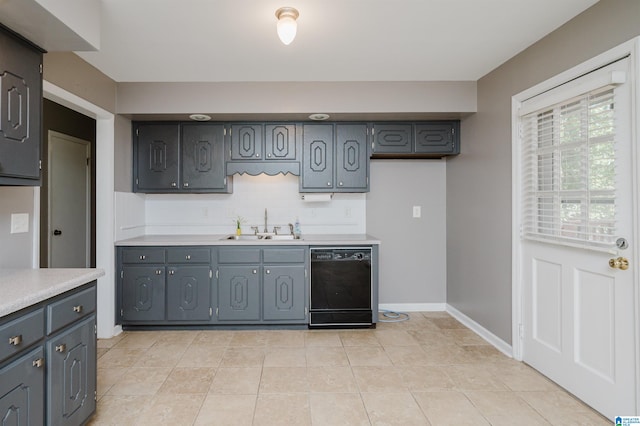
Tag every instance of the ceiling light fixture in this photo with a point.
(287, 25)
(319, 116)
(200, 117)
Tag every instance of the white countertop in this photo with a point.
(220, 240)
(21, 288)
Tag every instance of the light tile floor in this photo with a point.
(430, 370)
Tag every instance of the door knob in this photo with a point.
(619, 263)
(57, 232)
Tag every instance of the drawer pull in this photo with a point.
(15, 340)
(255, 271)
(61, 348)
(38, 363)
(143, 257)
(268, 271)
(171, 272)
(188, 257)
(77, 308)
(159, 272)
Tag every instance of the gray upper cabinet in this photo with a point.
(269, 148)
(203, 158)
(175, 157)
(157, 154)
(20, 110)
(246, 142)
(427, 139)
(335, 158)
(352, 158)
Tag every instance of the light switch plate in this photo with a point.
(417, 211)
(19, 223)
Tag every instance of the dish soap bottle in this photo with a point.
(296, 229)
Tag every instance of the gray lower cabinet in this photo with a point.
(262, 285)
(143, 293)
(188, 293)
(335, 158)
(48, 363)
(22, 390)
(239, 292)
(163, 285)
(71, 385)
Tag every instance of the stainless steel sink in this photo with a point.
(247, 237)
(260, 237)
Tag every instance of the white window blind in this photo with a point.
(569, 171)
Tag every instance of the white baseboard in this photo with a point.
(413, 307)
(494, 340)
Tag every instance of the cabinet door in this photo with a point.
(435, 138)
(280, 142)
(20, 109)
(143, 293)
(352, 158)
(188, 293)
(317, 158)
(238, 292)
(22, 390)
(246, 141)
(392, 138)
(203, 157)
(284, 292)
(71, 381)
(157, 157)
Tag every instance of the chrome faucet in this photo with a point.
(265, 221)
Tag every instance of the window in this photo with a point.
(570, 170)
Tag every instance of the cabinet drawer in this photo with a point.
(284, 255)
(69, 309)
(20, 333)
(188, 255)
(143, 255)
(239, 255)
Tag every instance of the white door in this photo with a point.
(578, 311)
(69, 198)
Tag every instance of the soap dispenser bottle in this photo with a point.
(296, 229)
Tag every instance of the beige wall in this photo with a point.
(16, 250)
(479, 180)
(67, 71)
(297, 97)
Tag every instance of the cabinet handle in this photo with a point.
(257, 155)
(171, 272)
(340, 184)
(268, 271)
(38, 363)
(269, 155)
(158, 272)
(15, 340)
(186, 184)
(255, 271)
(328, 183)
(77, 308)
(61, 348)
(188, 257)
(143, 257)
(173, 184)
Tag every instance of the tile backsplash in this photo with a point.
(138, 214)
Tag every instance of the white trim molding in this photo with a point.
(413, 307)
(491, 338)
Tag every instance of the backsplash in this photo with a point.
(215, 213)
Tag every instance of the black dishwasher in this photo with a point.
(341, 285)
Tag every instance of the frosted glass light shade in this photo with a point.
(287, 25)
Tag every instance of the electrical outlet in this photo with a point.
(19, 223)
(417, 211)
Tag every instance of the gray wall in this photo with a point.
(16, 250)
(479, 180)
(123, 155)
(412, 253)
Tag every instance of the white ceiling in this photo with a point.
(346, 40)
